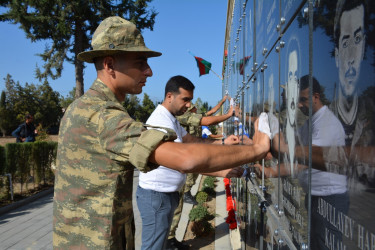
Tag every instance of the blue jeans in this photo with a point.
(156, 211)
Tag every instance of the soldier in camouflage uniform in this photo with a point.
(100, 144)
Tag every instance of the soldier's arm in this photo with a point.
(215, 136)
(216, 108)
(230, 140)
(212, 120)
(206, 158)
(228, 173)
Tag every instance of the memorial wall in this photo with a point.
(310, 65)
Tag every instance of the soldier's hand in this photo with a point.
(246, 140)
(268, 173)
(231, 140)
(225, 98)
(233, 172)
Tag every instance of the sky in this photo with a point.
(181, 26)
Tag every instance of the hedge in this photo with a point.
(26, 160)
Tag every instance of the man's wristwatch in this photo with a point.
(222, 141)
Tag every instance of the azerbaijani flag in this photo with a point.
(203, 65)
(243, 63)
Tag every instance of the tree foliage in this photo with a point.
(48, 106)
(4, 114)
(147, 108)
(67, 27)
(39, 100)
(66, 101)
(202, 107)
(135, 110)
(131, 104)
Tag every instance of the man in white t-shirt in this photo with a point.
(158, 190)
(326, 187)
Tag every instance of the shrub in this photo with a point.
(11, 155)
(24, 161)
(201, 228)
(44, 155)
(198, 213)
(2, 160)
(209, 182)
(201, 197)
(42, 133)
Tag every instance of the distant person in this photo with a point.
(206, 133)
(26, 132)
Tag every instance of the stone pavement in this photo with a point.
(30, 226)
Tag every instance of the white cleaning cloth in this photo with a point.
(274, 124)
(264, 126)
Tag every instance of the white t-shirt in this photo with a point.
(206, 132)
(326, 131)
(164, 179)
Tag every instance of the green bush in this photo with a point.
(2, 160)
(44, 155)
(201, 197)
(23, 160)
(198, 213)
(201, 228)
(11, 155)
(209, 185)
(209, 182)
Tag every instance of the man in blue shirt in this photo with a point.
(25, 132)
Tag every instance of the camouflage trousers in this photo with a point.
(176, 216)
(190, 181)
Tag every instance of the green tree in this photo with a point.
(205, 107)
(131, 104)
(49, 111)
(3, 114)
(67, 26)
(66, 101)
(198, 104)
(39, 100)
(8, 116)
(147, 108)
(202, 107)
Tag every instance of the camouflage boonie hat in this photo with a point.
(116, 35)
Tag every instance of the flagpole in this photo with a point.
(206, 66)
(214, 73)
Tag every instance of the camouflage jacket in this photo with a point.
(191, 123)
(99, 146)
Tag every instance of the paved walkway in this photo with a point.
(30, 226)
